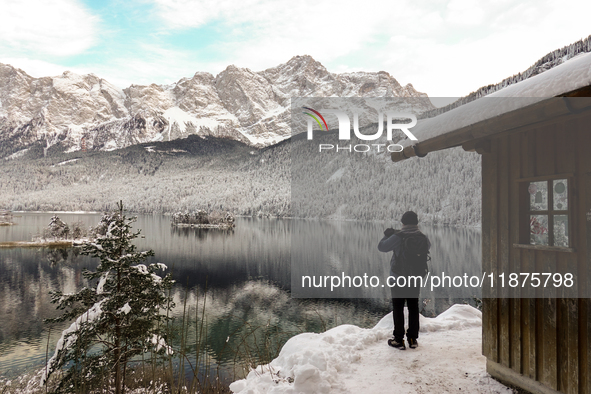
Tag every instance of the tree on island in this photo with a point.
(122, 316)
(57, 229)
(202, 218)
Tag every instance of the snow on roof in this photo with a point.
(349, 359)
(567, 77)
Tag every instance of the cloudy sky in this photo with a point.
(445, 48)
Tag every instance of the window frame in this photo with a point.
(525, 212)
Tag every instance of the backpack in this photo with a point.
(414, 254)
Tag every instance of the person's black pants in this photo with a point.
(412, 304)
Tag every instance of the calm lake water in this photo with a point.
(236, 283)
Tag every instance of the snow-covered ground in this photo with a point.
(349, 359)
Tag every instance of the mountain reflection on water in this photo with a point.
(239, 281)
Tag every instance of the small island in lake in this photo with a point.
(6, 218)
(57, 234)
(202, 219)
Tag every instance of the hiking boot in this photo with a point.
(412, 343)
(397, 343)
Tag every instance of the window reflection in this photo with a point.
(561, 230)
(538, 225)
(560, 194)
(538, 192)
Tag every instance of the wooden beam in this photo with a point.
(478, 146)
(545, 247)
(508, 376)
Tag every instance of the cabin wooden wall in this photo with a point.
(544, 340)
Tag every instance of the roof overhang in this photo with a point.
(474, 137)
(561, 91)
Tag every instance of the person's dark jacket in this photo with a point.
(391, 243)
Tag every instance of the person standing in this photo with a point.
(395, 241)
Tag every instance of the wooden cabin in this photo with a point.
(535, 142)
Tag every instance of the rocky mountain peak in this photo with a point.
(238, 103)
(244, 93)
(300, 76)
(203, 77)
(305, 63)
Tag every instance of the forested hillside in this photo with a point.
(214, 173)
(443, 187)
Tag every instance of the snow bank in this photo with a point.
(458, 317)
(352, 359)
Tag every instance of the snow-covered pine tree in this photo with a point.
(123, 316)
(57, 229)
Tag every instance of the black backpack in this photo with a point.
(414, 254)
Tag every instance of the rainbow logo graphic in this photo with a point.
(315, 118)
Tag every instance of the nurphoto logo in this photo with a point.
(393, 120)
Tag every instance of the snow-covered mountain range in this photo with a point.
(88, 112)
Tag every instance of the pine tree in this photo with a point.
(122, 316)
(57, 229)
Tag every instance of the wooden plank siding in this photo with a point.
(489, 252)
(568, 333)
(516, 353)
(584, 240)
(503, 247)
(545, 165)
(545, 339)
(528, 170)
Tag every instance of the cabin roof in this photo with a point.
(533, 100)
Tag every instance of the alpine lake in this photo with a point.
(233, 288)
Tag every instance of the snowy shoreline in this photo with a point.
(62, 212)
(352, 359)
(328, 219)
(194, 225)
(43, 244)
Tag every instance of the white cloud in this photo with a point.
(280, 29)
(156, 65)
(465, 12)
(37, 68)
(184, 13)
(443, 47)
(54, 27)
(511, 38)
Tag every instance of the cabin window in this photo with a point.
(548, 212)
